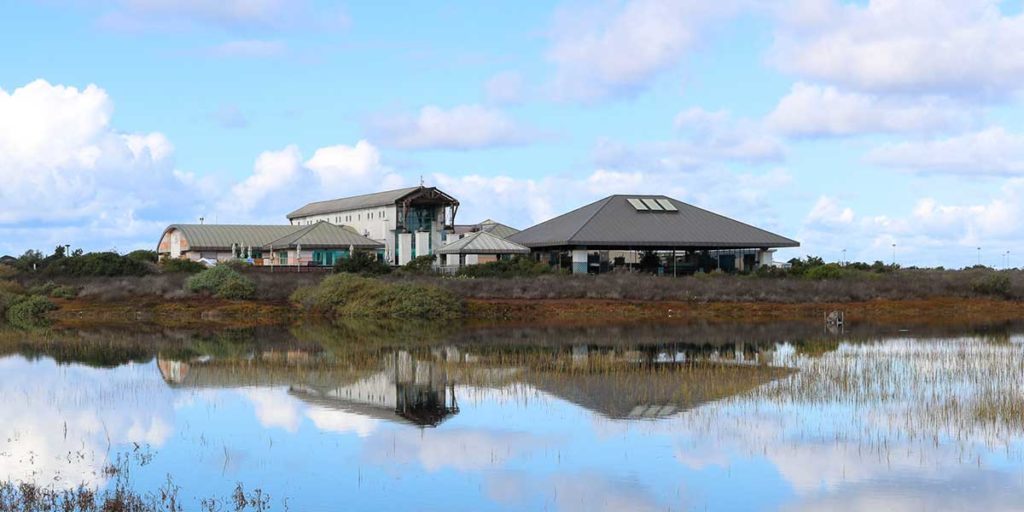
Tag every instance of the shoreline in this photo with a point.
(210, 312)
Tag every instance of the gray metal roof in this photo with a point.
(493, 227)
(324, 235)
(612, 222)
(224, 236)
(483, 242)
(388, 197)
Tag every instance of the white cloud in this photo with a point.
(812, 110)
(602, 50)
(281, 181)
(232, 15)
(963, 47)
(274, 408)
(66, 167)
(992, 151)
(504, 88)
(462, 127)
(932, 232)
(248, 48)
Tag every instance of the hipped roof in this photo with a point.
(613, 222)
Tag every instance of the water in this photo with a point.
(778, 417)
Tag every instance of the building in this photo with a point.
(408, 222)
(495, 228)
(318, 244)
(674, 237)
(478, 247)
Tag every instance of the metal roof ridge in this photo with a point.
(598, 210)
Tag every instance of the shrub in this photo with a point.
(223, 282)
(515, 267)
(421, 264)
(64, 292)
(29, 311)
(829, 271)
(361, 262)
(349, 295)
(7, 271)
(143, 255)
(96, 264)
(992, 284)
(182, 265)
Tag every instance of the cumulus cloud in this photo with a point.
(248, 48)
(966, 47)
(230, 15)
(66, 167)
(504, 88)
(929, 233)
(813, 110)
(460, 128)
(281, 181)
(602, 50)
(993, 151)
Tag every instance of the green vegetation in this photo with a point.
(362, 262)
(79, 264)
(515, 267)
(993, 284)
(348, 295)
(183, 266)
(222, 282)
(420, 265)
(143, 255)
(28, 311)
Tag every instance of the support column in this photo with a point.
(579, 261)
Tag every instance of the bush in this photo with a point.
(143, 256)
(421, 264)
(29, 311)
(993, 284)
(515, 267)
(7, 271)
(95, 264)
(64, 292)
(182, 265)
(829, 271)
(349, 295)
(361, 262)
(223, 282)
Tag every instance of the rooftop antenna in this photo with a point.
(421, 180)
(201, 219)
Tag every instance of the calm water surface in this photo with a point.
(643, 418)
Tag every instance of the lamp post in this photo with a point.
(844, 257)
(979, 256)
(894, 254)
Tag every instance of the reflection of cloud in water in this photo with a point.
(576, 492)
(274, 408)
(333, 420)
(985, 490)
(128, 404)
(460, 449)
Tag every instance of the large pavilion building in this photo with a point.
(678, 237)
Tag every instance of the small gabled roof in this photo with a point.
(493, 227)
(482, 242)
(616, 222)
(324, 235)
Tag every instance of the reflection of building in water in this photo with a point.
(406, 390)
(652, 382)
(418, 388)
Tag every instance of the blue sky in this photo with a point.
(846, 125)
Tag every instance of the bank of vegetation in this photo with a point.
(364, 287)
